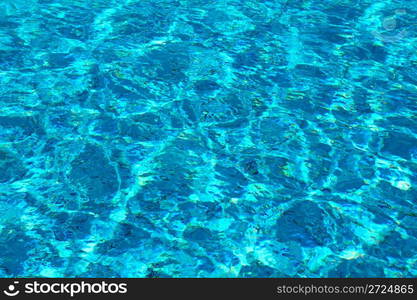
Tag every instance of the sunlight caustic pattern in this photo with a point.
(188, 138)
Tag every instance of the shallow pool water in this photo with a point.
(170, 138)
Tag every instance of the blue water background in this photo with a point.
(194, 138)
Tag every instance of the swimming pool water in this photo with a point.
(188, 138)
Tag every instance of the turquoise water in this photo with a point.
(196, 138)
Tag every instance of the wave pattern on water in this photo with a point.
(172, 138)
